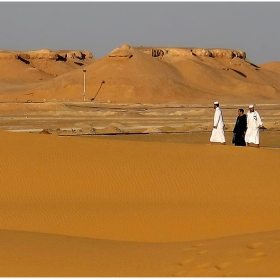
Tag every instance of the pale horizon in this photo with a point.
(100, 27)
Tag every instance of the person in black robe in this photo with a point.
(240, 129)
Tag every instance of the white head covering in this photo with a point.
(216, 102)
(251, 106)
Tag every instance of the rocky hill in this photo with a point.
(171, 52)
(141, 75)
(47, 61)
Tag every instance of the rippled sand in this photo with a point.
(92, 206)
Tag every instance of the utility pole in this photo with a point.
(84, 93)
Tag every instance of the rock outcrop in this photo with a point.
(162, 52)
(46, 54)
(8, 55)
(121, 52)
(54, 63)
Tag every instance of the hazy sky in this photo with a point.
(100, 27)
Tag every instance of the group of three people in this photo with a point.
(246, 129)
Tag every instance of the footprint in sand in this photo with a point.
(255, 245)
(228, 274)
(203, 266)
(186, 261)
(256, 257)
(198, 245)
(205, 272)
(259, 254)
(252, 260)
(180, 273)
(203, 252)
(189, 248)
(223, 265)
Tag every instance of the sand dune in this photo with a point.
(28, 74)
(273, 66)
(57, 255)
(80, 191)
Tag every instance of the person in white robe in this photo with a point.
(254, 123)
(218, 134)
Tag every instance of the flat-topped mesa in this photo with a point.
(8, 55)
(46, 54)
(74, 54)
(172, 52)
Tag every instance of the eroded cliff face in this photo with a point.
(164, 52)
(46, 54)
(54, 63)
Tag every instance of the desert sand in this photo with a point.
(126, 184)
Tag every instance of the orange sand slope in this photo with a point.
(96, 207)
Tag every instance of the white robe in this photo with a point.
(218, 134)
(254, 122)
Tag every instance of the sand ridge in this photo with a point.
(112, 208)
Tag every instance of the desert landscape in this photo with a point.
(107, 170)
